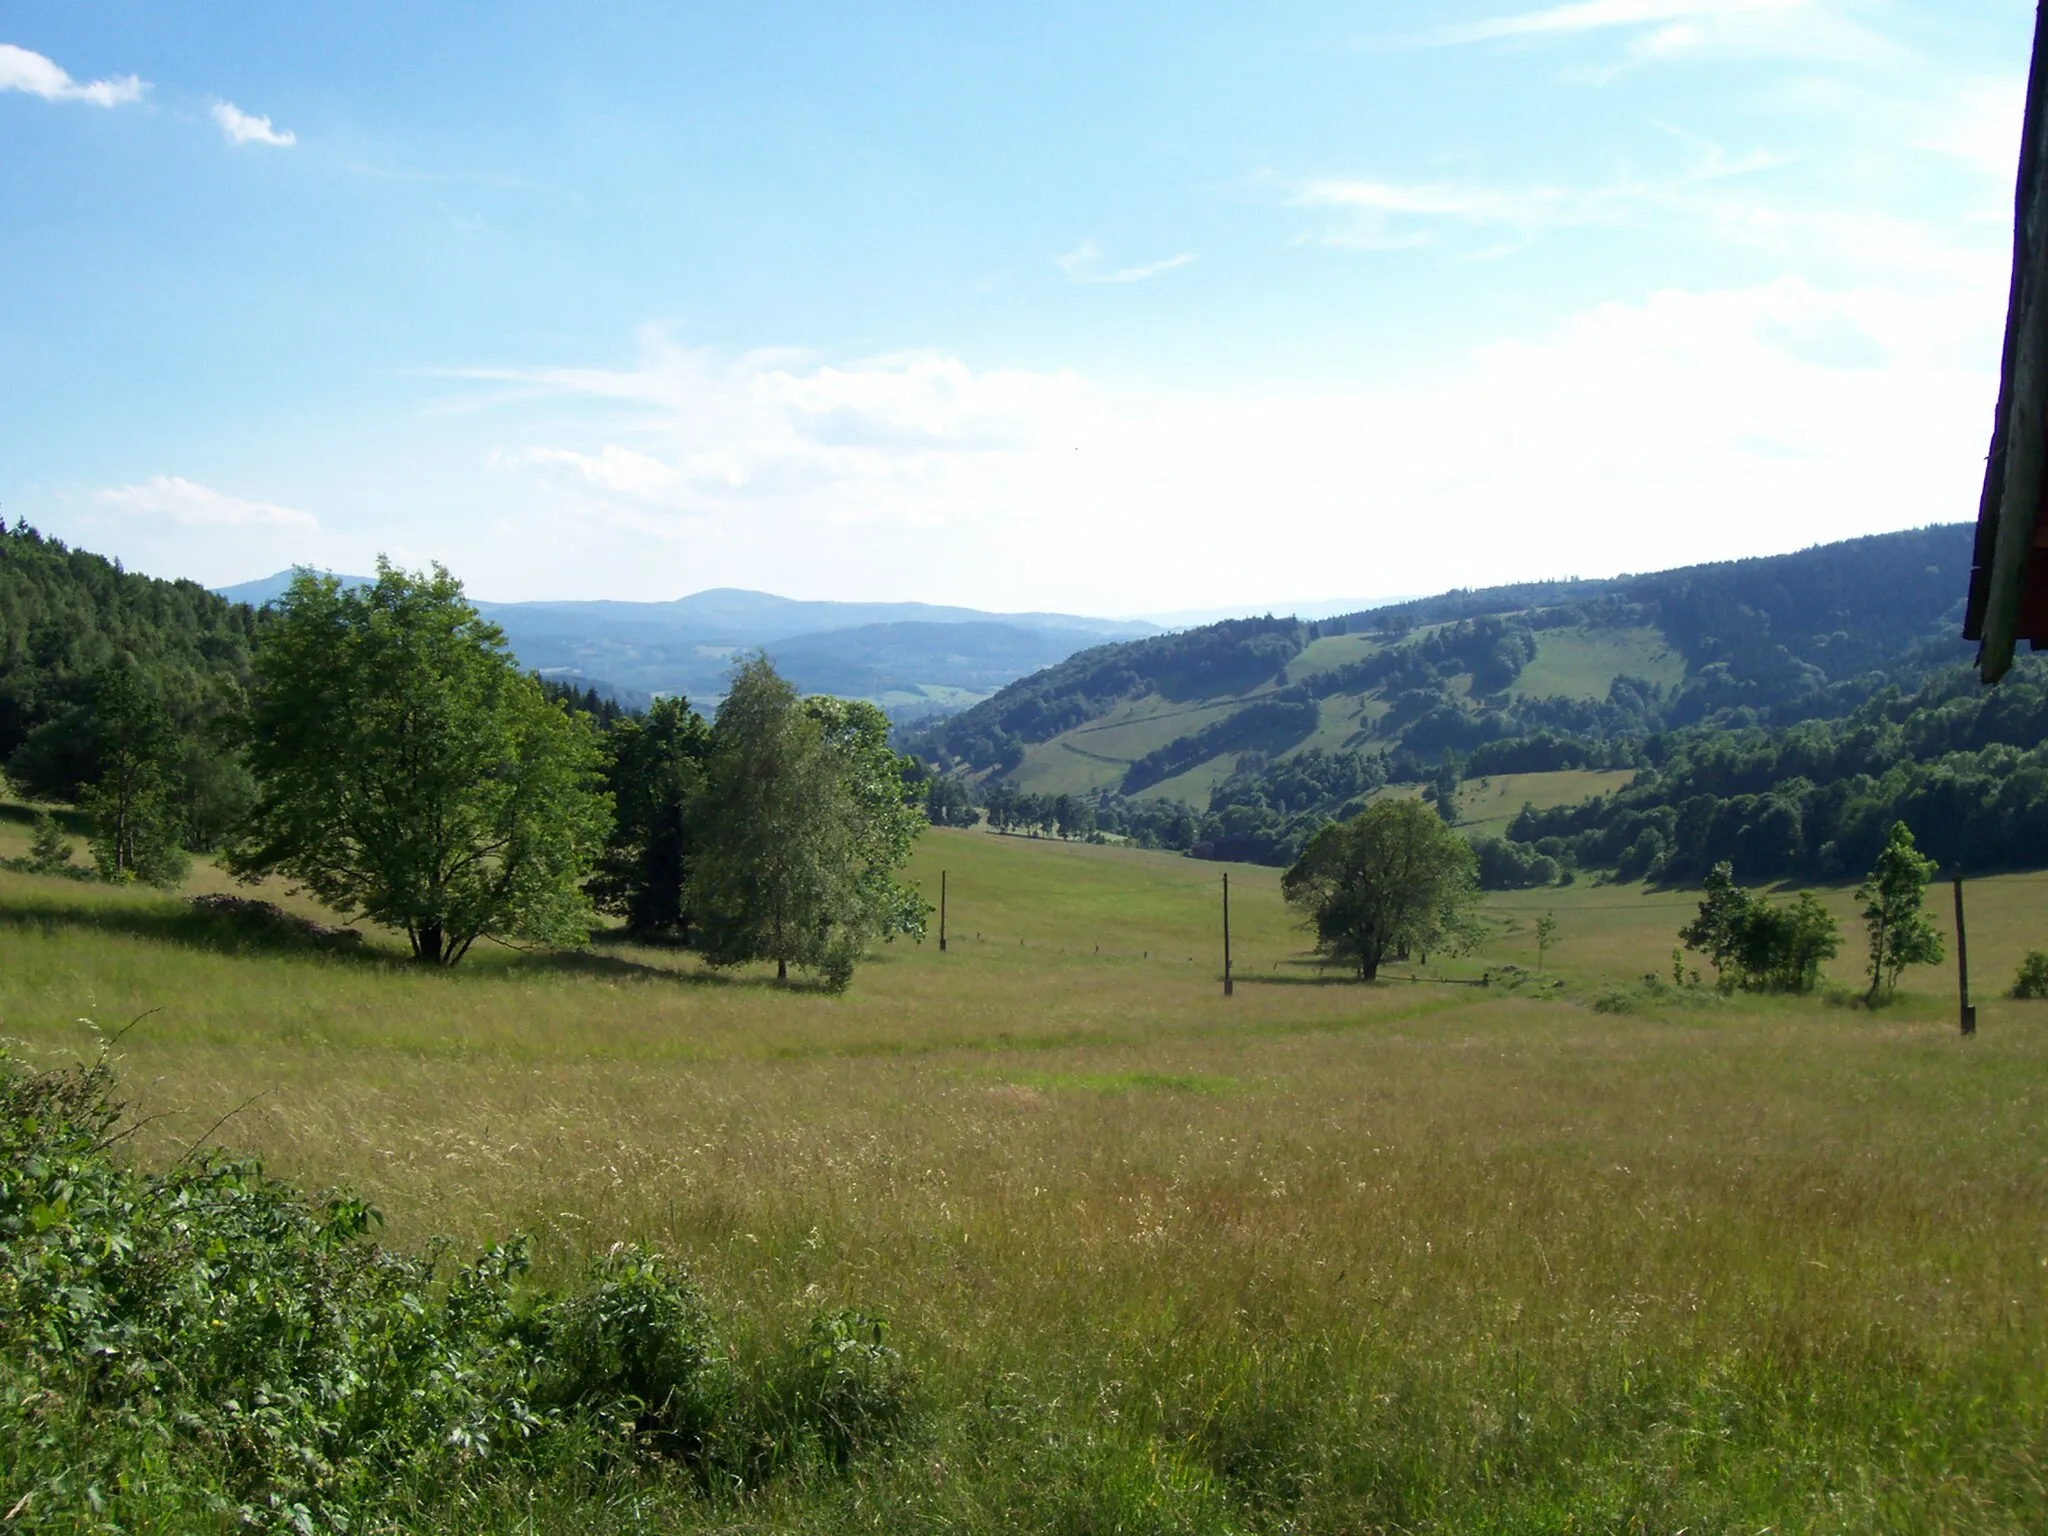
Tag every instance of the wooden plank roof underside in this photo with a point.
(2009, 572)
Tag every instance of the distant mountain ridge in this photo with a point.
(915, 659)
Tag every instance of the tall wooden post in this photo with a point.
(942, 911)
(1229, 987)
(1968, 1014)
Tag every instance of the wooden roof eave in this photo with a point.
(2008, 599)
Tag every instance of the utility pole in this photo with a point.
(942, 911)
(1229, 988)
(1968, 1014)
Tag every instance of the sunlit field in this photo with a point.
(1576, 1251)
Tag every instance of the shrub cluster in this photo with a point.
(207, 1346)
(1758, 946)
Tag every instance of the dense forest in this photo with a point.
(1965, 767)
(75, 629)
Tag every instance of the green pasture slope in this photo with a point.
(1531, 1257)
(1573, 663)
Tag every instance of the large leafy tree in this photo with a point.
(655, 773)
(805, 820)
(409, 771)
(1394, 876)
(885, 812)
(1894, 897)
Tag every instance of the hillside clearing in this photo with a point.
(1583, 663)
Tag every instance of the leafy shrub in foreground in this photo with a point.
(205, 1346)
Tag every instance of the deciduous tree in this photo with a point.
(408, 769)
(1894, 897)
(805, 820)
(1394, 875)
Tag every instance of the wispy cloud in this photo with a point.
(21, 70)
(1598, 15)
(240, 127)
(172, 499)
(1084, 264)
(1386, 214)
(1672, 29)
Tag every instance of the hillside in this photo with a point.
(69, 620)
(914, 659)
(1277, 719)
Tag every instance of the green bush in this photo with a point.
(207, 1346)
(2032, 980)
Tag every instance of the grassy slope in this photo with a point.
(1419, 1256)
(1578, 663)
(1583, 663)
(1329, 653)
(1094, 755)
(1486, 806)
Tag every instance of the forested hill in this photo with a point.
(1269, 724)
(1773, 639)
(65, 615)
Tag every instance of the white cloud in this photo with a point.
(240, 127)
(169, 498)
(21, 70)
(1084, 265)
(1687, 426)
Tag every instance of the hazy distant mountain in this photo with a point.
(913, 658)
(266, 589)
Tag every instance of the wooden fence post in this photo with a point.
(1968, 1014)
(1228, 987)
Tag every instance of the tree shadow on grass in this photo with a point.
(595, 963)
(1298, 971)
(249, 932)
(189, 927)
(1318, 979)
(72, 822)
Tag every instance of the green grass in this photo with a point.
(1317, 1257)
(1095, 754)
(1344, 720)
(1330, 653)
(1583, 663)
(1194, 784)
(1486, 806)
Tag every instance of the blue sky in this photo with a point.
(1113, 309)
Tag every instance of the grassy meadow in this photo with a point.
(1562, 1253)
(1583, 663)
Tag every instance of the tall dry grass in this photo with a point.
(1417, 1257)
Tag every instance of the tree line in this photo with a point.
(379, 747)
